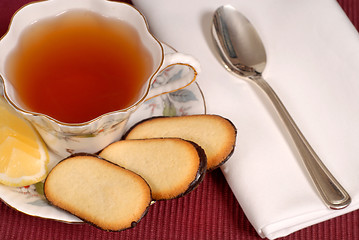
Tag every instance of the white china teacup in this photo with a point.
(91, 136)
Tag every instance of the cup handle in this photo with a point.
(177, 71)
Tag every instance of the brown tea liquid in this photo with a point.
(78, 66)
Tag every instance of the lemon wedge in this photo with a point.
(23, 154)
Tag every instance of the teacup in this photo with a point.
(66, 138)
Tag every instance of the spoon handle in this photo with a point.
(332, 193)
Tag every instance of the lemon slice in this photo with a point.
(23, 155)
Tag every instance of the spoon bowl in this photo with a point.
(247, 56)
(243, 53)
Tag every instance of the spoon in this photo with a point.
(243, 54)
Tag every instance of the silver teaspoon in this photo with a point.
(243, 53)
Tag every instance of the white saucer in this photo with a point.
(30, 200)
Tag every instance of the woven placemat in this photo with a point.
(209, 212)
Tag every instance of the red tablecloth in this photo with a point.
(209, 212)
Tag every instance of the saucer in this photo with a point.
(30, 199)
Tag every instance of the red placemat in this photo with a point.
(209, 212)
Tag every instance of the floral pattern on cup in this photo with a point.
(91, 136)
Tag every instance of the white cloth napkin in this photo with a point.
(313, 58)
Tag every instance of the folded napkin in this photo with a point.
(313, 56)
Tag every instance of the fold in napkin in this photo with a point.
(313, 55)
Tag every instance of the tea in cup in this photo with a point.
(77, 69)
